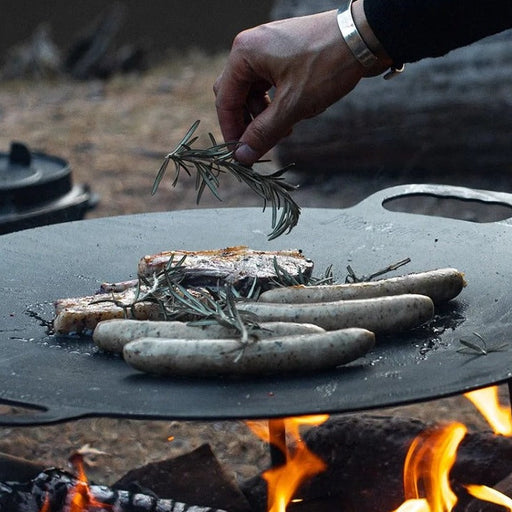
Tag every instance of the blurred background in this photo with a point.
(162, 24)
(110, 88)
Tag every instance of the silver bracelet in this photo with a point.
(356, 43)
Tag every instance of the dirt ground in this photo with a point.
(114, 134)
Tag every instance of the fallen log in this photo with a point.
(445, 120)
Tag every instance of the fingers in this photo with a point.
(230, 103)
(262, 134)
(247, 122)
(257, 102)
(239, 90)
(306, 62)
(246, 114)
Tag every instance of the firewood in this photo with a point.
(195, 477)
(365, 456)
(55, 488)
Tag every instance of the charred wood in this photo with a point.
(365, 457)
(504, 486)
(55, 488)
(196, 477)
(16, 469)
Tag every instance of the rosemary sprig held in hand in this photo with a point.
(210, 162)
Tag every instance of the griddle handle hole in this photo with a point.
(471, 210)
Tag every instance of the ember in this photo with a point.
(58, 491)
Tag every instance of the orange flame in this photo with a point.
(487, 402)
(299, 465)
(80, 498)
(432, 455)
(482, 492)
(46, 504)
(427, 467)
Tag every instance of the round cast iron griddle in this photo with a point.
(69, 378)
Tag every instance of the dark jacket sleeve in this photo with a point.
(411, 30)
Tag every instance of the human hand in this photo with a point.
(306, 61)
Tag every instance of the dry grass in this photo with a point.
(114, 134)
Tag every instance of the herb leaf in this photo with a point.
(479, 347)
(211, 162)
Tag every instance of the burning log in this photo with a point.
(504, 486)
(59, 491)
(365, 458)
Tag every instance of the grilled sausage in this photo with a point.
(381, 315)
(440, 285)
(296, 353)
(113, 335)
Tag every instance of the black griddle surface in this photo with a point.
(70, 378)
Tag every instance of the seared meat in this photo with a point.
(80, 315)
(237, 266)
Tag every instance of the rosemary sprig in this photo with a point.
(284, 278)
(353, 278)
(209, 163)
(480, 347)
(199, 306)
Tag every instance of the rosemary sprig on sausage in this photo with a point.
(440, 285)
(113, 335)
(204, 357)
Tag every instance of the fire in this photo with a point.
(427, 467)
(414, 505)
(487, 402)
(46, 504)
(433, 453)
(80, 499)
(300, 463)
(482, 492)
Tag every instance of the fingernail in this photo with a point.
(246, 155)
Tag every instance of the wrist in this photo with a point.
(362, 41)
(363, 27)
